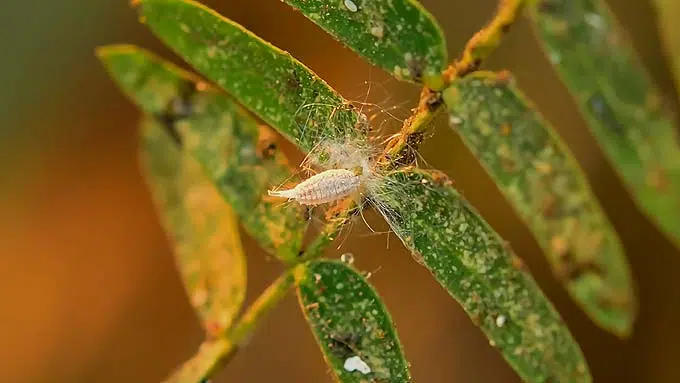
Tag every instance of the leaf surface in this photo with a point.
(473, 264)
(536, 172)
(399, 36)
(350, 323)
(618, 100)
(202, 227)
(266, 80)
(240, 157)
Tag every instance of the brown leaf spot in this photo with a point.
(517, 263)
(658, 179)
(507, 162)
(543, 168)
(549, 206)
(441, 178)
(503, 77)
(559, 246)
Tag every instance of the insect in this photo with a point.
(327, 186)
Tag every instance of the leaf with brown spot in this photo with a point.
(618, 99)
(202, 226)
(475, 266)
(266, 80)
(240, 157)
(400, 36)
(350, 321)
(548, 190)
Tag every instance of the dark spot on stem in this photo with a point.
(433, 100)
(408, 155)
(471, 67)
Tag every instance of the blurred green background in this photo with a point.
(87, 282)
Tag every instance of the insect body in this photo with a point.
(330, 185)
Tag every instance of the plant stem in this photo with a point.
(262, 305)
(401, 148)
(484, 42)
(214, 353)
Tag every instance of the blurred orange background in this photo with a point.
(87, 282)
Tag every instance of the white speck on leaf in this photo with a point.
(351, 6)
(355, 363)
(554, 57)
(455, 120)
(500, 320)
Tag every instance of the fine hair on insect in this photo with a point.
(343, 162)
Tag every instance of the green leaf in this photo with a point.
(350, 323)
(240, 158)
(478, 269)
(538, 175)
(202, 227)
(618, 100)
(400, 36)
(266, 80)
(667, 12)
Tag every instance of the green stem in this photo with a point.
(264, 303)
(214, 353)
(401, 149)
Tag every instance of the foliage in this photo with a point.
(209, 165)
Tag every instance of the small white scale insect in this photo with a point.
(327, 186)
